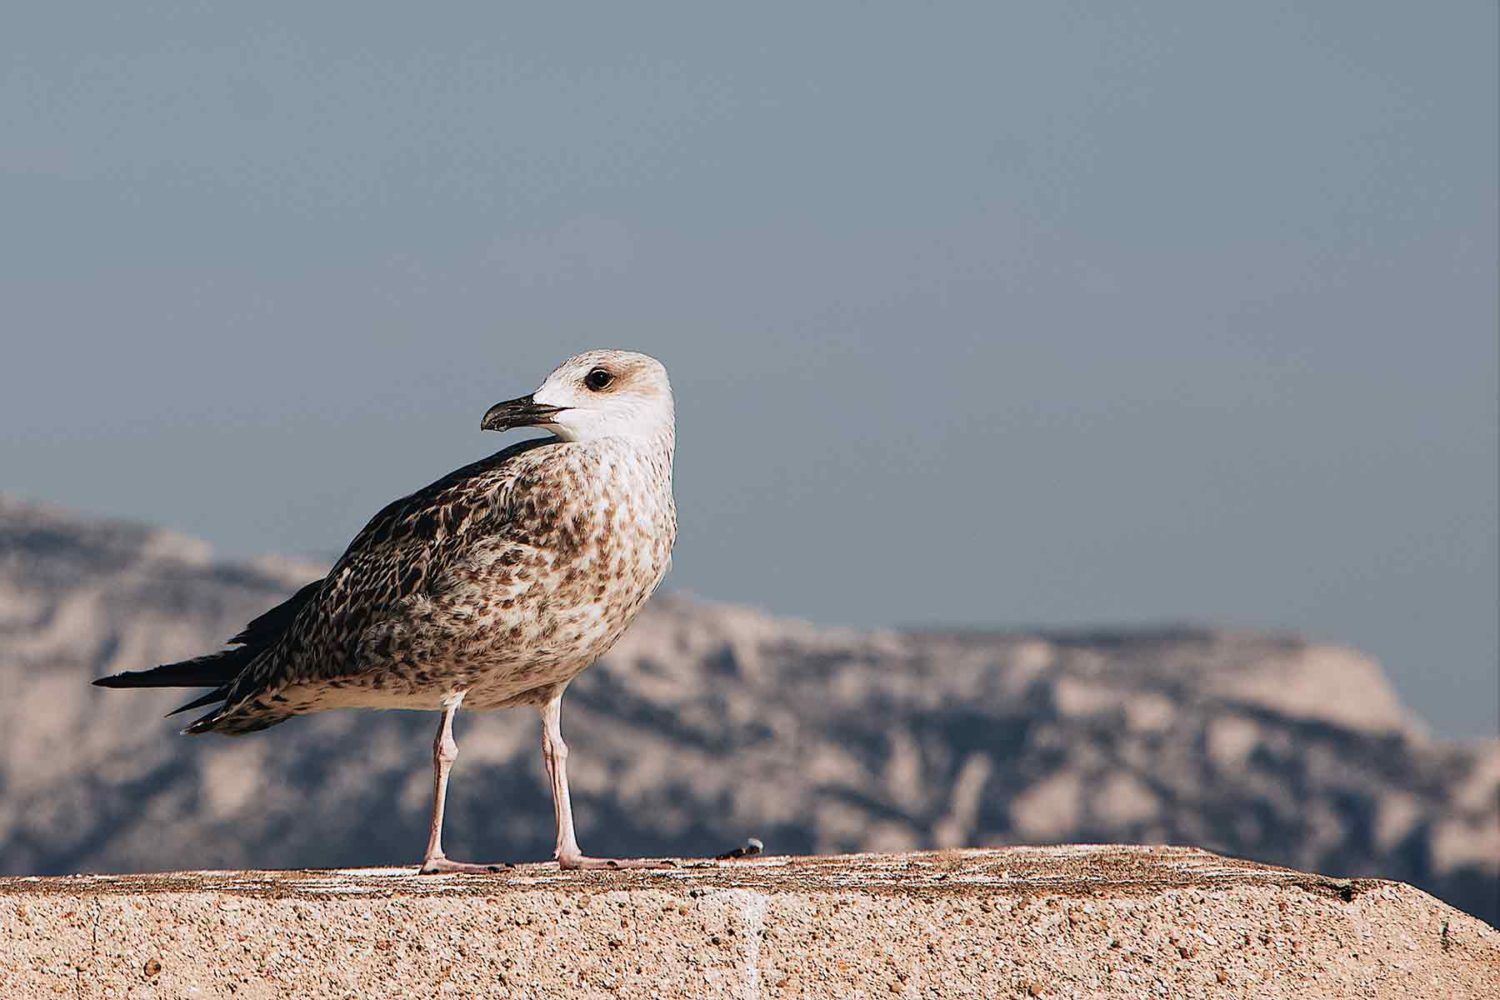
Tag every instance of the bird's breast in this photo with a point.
(593, 540)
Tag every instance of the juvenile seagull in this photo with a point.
(493, 587)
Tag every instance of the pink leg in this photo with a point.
(444, 753)
(555, 756)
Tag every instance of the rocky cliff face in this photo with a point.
(708, 724)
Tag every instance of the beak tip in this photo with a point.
(523, 412)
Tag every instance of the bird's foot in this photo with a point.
(443, 866)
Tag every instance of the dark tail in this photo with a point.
(219, 670)
(213, 670)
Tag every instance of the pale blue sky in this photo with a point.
(995, 314)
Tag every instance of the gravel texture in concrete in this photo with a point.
(1075, 921)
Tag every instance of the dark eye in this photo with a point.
(598, 379)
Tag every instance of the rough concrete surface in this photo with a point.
(1017, 922)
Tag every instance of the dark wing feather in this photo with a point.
(394, 557)
(404, 548)
(268, 627)
(218, 670)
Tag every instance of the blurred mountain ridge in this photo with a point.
(709, 723)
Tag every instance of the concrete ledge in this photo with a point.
(1019, 922)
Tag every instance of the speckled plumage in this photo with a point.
(494, 586)
(504, 579)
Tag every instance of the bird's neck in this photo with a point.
(653, 451)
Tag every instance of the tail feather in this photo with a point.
(213, 670)
(221, 670)
(217, 694)
(233, 723)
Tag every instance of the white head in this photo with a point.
(597, 394)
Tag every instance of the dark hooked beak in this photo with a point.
(523, 412)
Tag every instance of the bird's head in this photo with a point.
(596, 394)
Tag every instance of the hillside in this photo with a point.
(709, 724)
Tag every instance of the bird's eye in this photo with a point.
(598, 379)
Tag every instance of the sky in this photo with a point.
(997, 315)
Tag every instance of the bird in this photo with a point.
(491, 588)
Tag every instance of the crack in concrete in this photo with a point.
(752, 910)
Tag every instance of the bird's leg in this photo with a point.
(555, 756)
(444, 753)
